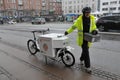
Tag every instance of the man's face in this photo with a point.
(87, 14)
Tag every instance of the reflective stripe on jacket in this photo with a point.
(79, 26)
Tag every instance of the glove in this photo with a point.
(65, 33)
(94, 32)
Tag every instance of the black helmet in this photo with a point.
(86, 9)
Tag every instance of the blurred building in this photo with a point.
(73, 8)
(51, 8)
(76, 6)
(20, 7)
(109, 7)
(30, 7)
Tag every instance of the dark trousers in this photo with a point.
(85, 54)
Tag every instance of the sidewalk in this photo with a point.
(4, 75)
(22, 68)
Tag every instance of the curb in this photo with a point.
(110, 33)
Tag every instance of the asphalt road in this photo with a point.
(17, 63)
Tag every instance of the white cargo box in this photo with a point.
(49, 42)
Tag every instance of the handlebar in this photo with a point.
(40, 31)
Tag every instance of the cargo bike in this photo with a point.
(52, 45)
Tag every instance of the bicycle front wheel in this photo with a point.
(68, 59)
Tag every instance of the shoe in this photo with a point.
(88, 70)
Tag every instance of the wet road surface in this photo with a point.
(16, 63)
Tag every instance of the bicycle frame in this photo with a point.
(34, 36)
(53, 45)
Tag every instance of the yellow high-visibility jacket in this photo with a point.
(79, 26)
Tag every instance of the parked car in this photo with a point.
(108, 22)
(38, 21)
(1, 21)
(12, 22)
